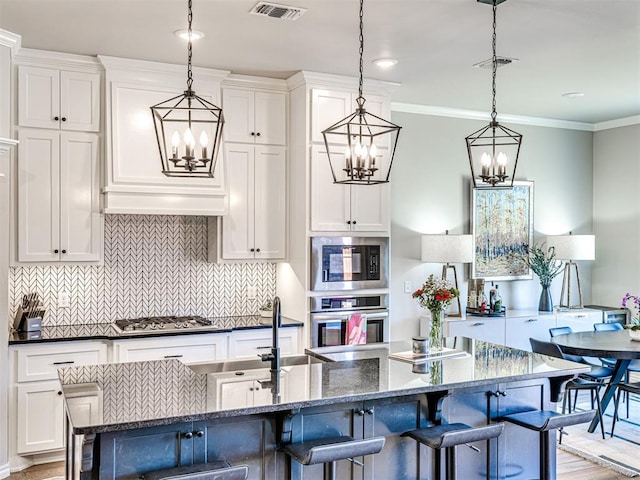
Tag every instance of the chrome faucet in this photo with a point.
(274, 356)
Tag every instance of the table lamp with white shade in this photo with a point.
(448, 249)
(570, 248)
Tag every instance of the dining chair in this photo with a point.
(577, 384)
(597, 373)
(634, 366)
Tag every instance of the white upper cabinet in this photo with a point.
(58, 197)
(58, 99)
(255, 225)
(340, 208)
(254, 116)
(134, 180)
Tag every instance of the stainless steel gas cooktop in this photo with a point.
(163, 324)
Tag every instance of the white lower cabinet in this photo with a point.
(251, 343)
(579, 321)
(199, 348)
(40, 417)
(36, 405)
(489, 329)
(520, 329)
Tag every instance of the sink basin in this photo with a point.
(252, 364)
(350, 352)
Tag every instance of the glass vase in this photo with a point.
(436, 340)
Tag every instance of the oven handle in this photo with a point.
(344, 316)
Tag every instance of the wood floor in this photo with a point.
(570, 467)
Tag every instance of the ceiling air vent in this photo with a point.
(275, 10)
(502, 61)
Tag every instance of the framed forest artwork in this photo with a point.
(502, 225)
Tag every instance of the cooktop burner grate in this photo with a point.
(168, 323)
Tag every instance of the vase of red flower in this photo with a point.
(436, 295)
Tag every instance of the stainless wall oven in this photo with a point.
(329, 317)
(349, 263)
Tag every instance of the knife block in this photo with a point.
(28, 320)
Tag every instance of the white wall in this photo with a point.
(616, 214)
(430, 193)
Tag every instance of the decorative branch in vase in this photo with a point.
(435, 295)
(544, 264)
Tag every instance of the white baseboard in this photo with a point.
(5, 471)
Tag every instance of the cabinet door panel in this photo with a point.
(80, 101)
(80, 223)
(238, 226)
(38, 195)
(270, 196)
(370, 208)
(330, 202)
(520, 329)
(238, 106)
(38, 97)
(328, 107)
(40, 417)
(271, 118)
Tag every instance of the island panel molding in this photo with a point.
(154, 265)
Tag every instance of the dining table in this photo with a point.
(616, 345)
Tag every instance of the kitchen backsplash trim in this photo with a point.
(153, 265)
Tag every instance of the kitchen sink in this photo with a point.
(252, 364)
(350, 352)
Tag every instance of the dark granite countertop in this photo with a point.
(144, 394)
(106, 331)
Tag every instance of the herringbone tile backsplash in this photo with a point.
(153, 265)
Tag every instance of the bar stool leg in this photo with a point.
(438, 464)
(450, 455)
(330, 471)
(545, 464)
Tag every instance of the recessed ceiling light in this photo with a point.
(184, 34)
(385, 62)
(573, 94)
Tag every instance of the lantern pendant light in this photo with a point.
(368, 138)
(494, 146)
(179, 120)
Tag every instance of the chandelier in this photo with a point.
(362, 162)
(491, 147)
(178, 120)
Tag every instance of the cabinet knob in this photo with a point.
(199, 434)
(188, 435)
(253, 133)
(348, 222)
(64, 119)
(252, 249)
(56, 118)
(64, 251)
(257, 249)
(258, 134)
(353, 222)
(369, 411)
(59, 393)
(360, 412)
(56, 251)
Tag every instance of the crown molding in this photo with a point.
(620, 122)
(476, 115)
(11, 40)
(249, 82)
(119, 63)
(46, 58)
(340, 81)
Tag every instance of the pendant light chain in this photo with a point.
(495, 65)
(360, 99)
(189, 49)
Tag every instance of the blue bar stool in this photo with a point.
(219, 470)
(544, 421)
(330, 450)
(448, 437)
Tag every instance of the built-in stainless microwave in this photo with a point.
(349, 263)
